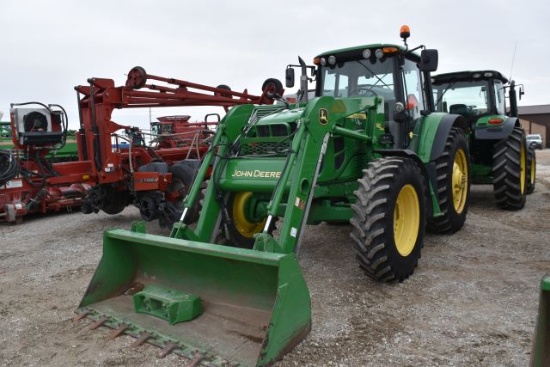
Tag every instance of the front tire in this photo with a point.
(246, 218)
(509, 167)
(453, 185)
(389, 218)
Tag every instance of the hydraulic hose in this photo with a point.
(64, 125)
(8, 167)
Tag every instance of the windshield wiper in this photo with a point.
(373, 74)
(445, 91)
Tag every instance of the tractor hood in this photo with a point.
(343, 107)
(286, 116)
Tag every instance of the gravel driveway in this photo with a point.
(471, 302)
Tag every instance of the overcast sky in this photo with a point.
(48, 47)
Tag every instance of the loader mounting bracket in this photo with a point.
(265, 242)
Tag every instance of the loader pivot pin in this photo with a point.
(168, 304)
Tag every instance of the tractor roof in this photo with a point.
(353, 52)
(464, 76)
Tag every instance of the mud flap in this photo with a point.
(540, 355)
(244, 307)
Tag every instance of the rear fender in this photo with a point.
(435, 129)
(499, 132)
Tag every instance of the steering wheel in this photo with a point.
(366, 91)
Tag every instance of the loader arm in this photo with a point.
(302, 170)
(289, 180)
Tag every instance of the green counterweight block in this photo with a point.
(172, 306)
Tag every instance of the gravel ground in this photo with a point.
(472, 301)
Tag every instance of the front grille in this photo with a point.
(262, 111)
(266, 139)
(271, 148)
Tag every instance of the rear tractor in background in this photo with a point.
(366, 149)
(498, 150)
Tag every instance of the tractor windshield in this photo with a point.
(375, 77)
(500, 97)
(359, 78)
(469, 98)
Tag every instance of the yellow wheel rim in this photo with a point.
(460, 181)
(243, 225)
(522, 168)
(532, 172)
(406, 220)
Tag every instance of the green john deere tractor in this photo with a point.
(365, 149)
(498, 150)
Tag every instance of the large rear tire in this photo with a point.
(509, 171)
(531, 170)
(453, 184)
(389, 218)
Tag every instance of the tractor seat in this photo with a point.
(459, 109)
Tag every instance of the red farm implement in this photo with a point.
(29, 181)
(116, 167)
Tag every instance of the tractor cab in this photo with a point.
(395, 78)
(474, 94)
(369, 72)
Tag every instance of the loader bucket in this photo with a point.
(540, 355)
(212, 304)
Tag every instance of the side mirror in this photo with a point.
(289, 77)
(521, 91)
(428, 60)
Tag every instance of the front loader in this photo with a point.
(365, 150)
